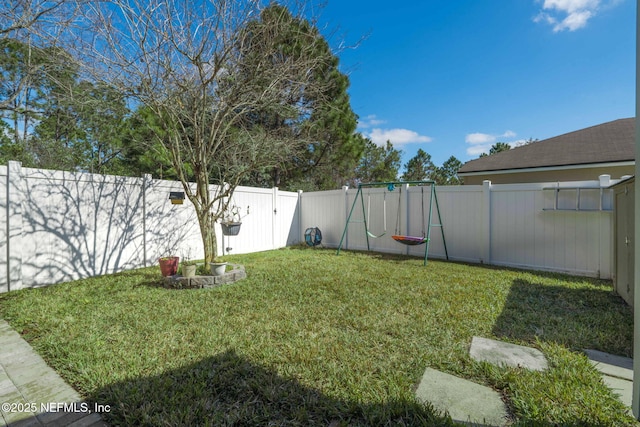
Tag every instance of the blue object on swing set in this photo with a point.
(313, 236)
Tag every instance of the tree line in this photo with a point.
(55, 117)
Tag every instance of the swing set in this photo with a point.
(398, 237)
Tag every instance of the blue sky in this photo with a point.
(454, 76)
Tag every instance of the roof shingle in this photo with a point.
(605, 143)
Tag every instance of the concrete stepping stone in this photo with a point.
(506, 354)
(611, 365)
(622, 389)
(617, 373)
(464, 400)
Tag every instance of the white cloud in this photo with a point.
(476, 150)
(369, 121)
(574, 21)
(370, 127)
(396, 136)
(481, 142)
(571, 6)
(570, 14)
(479, 138)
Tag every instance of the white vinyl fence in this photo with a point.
(58, 226)
(565, 227)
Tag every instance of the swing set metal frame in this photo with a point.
(408, 240)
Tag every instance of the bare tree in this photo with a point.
(225, 80)
(38, 25)
(27, 15)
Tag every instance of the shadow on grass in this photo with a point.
(577, 318)
(228, 389)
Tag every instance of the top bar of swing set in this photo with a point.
(379, 184)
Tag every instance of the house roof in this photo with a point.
(605, 143)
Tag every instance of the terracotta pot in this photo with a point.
(169, 265)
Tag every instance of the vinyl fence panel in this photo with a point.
(462, 220)
(4, 231)
(517, 225)
(78, 225)
(526, 235)
(57, 226)
(326, 210)
(169, 229)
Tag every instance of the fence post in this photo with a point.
(147, 183)
(407, 215)
(485, 250)
(15, 195)
(274, 222)
(606, 232)
(300, 237)
(345, 189)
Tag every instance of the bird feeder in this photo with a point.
(176, 197)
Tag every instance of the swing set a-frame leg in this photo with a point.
(444, 241)
(426, 249)
(434, 198)
(346, 226)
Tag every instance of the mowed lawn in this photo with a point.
(311, 338)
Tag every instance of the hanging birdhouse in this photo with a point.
(176, 197)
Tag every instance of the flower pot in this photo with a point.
(231, 228)
(189, 270)
(169, 265)
(218, 268)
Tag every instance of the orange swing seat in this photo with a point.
(410, 240)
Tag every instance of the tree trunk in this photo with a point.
(209, 238)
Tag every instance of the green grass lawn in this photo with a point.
(311, 338)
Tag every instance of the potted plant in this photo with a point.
(169, 265)
(232, 220)
(188, 265)
(218, 267)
